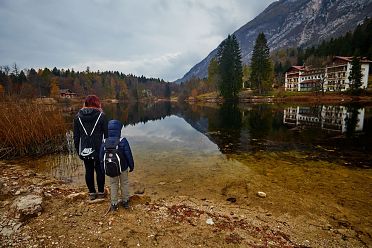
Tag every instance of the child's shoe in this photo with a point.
(114, 207)
(125, 204)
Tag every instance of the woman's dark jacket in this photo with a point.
(89, 117)
(114, 132)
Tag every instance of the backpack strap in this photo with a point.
(94, 127)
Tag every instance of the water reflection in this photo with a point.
(251, 128)
(138, 112)
(170, 134)
(333, 118)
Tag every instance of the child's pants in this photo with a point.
(124, 186)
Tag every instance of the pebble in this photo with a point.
(209, 221)
(261, 194)
(162, 183)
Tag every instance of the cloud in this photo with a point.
(159, 38)
(149, 66)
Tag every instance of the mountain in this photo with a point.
(288, 23)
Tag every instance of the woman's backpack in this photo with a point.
(87, 145)
(112, 157)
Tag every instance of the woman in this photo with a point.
(90, 128)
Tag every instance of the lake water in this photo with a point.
(170, 135)
(313, 159)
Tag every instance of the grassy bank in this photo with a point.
(28, 128)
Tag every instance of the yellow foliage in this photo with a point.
(2, 90)
(54, 88)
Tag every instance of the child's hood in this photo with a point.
(114, 128)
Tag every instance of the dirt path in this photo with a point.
(59, 215)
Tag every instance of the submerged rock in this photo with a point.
(231, 199)
(261, 194)
(209, 221)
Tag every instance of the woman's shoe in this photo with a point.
(101, 195)
(92, 196)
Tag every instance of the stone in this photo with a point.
(162, 183)
(139, 190)
(96, 201)
(209, 221)
(136, 199)
(27, 206)
(76, 196)
(261, 194)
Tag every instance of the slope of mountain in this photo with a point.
(288, 23)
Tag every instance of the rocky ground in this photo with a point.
(38, 211)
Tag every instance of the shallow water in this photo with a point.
(309, 160)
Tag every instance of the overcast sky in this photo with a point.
(154, 38)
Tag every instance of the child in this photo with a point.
(126, 162)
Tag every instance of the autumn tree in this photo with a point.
(261, 67)
(246, 75)
(2, 90)
(54, 88)
(214, 76)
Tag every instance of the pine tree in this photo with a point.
(262, 70)
(355, 76)
(230, 68)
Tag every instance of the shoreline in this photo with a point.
(302, 99)
(65, 218)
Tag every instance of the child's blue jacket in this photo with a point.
(114, 131)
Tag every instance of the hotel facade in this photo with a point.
(334, 77)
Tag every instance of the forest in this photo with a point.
(107, 85)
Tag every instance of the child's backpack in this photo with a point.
(112, 157)
(87, 146)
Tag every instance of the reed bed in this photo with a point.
(28, 129)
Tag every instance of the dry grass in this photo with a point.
(27, 128)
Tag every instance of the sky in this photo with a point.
(155, 38)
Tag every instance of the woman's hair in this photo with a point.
(92, 101)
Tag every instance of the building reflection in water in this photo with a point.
(333, 118)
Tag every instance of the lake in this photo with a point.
(310, 160)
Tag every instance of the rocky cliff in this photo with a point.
(287, 23)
